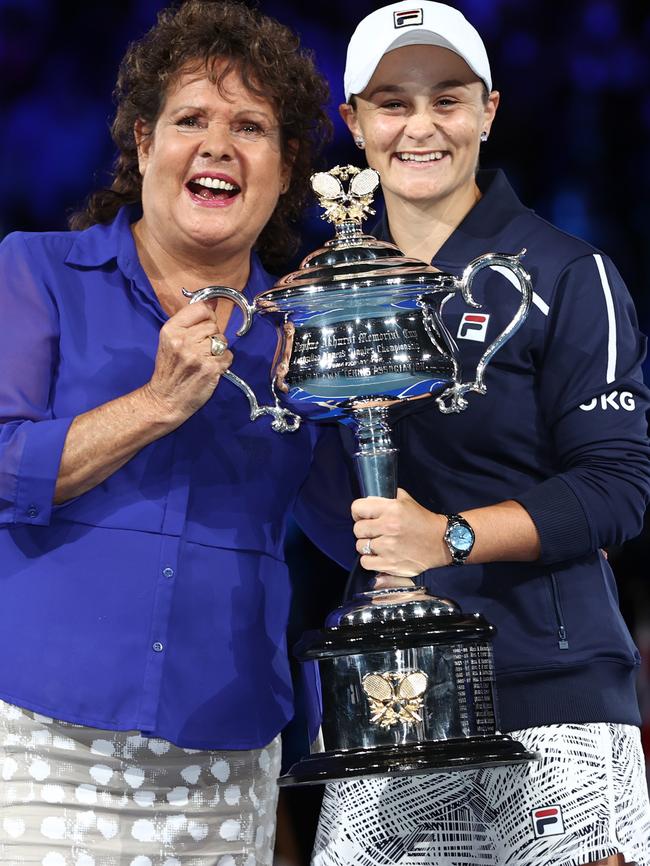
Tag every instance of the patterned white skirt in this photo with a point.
(585, 800)
(78, 796)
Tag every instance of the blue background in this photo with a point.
(572, 133)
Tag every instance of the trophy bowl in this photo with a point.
(405, 679)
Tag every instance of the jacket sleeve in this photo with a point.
(322, 509)
(594, 404)
(31, 439)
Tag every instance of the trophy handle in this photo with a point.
(283, 421)
(455, 393)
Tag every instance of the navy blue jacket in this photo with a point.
(562, 430)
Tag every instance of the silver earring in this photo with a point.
(360, 142)
(484, 136)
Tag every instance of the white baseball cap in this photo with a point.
(405, 23)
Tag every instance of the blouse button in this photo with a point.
(158, 647)
(168, 572)
(32, 511)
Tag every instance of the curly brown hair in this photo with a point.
(268, 57)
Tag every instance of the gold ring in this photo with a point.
(217, 346)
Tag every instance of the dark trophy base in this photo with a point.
(470, 753)
(405, 685)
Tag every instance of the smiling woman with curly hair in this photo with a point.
(268, 58)
(142, 516)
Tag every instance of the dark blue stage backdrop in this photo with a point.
(573, 130)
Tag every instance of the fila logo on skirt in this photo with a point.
(407, 18)
(473, 326)
(547, 821)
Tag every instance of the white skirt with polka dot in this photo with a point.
(78, 796)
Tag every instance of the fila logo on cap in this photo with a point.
(473, 326)
(407, 17)
(547, 821)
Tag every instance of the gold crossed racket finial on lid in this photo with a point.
(343, 207)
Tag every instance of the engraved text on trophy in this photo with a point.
(363, 348)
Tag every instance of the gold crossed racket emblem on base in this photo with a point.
(395, 697)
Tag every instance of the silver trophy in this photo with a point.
(406, 678)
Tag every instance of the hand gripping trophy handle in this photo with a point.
(453, 399)
(283, 421)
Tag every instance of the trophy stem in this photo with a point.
(376, 463)
(376, 459)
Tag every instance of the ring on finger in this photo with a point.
(217, 345)
(366, 550)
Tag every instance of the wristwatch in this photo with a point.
(459, 537)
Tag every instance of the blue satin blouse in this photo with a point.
(158, 600)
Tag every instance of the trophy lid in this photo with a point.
(353, 259)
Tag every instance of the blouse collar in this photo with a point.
(102, 244)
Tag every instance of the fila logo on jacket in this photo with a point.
(473, 326)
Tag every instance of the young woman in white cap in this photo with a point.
(543, 473)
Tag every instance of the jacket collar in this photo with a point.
(489, 217)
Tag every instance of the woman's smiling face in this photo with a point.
(421, 117)
(213, 167)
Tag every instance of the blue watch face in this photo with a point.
(461, 537)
